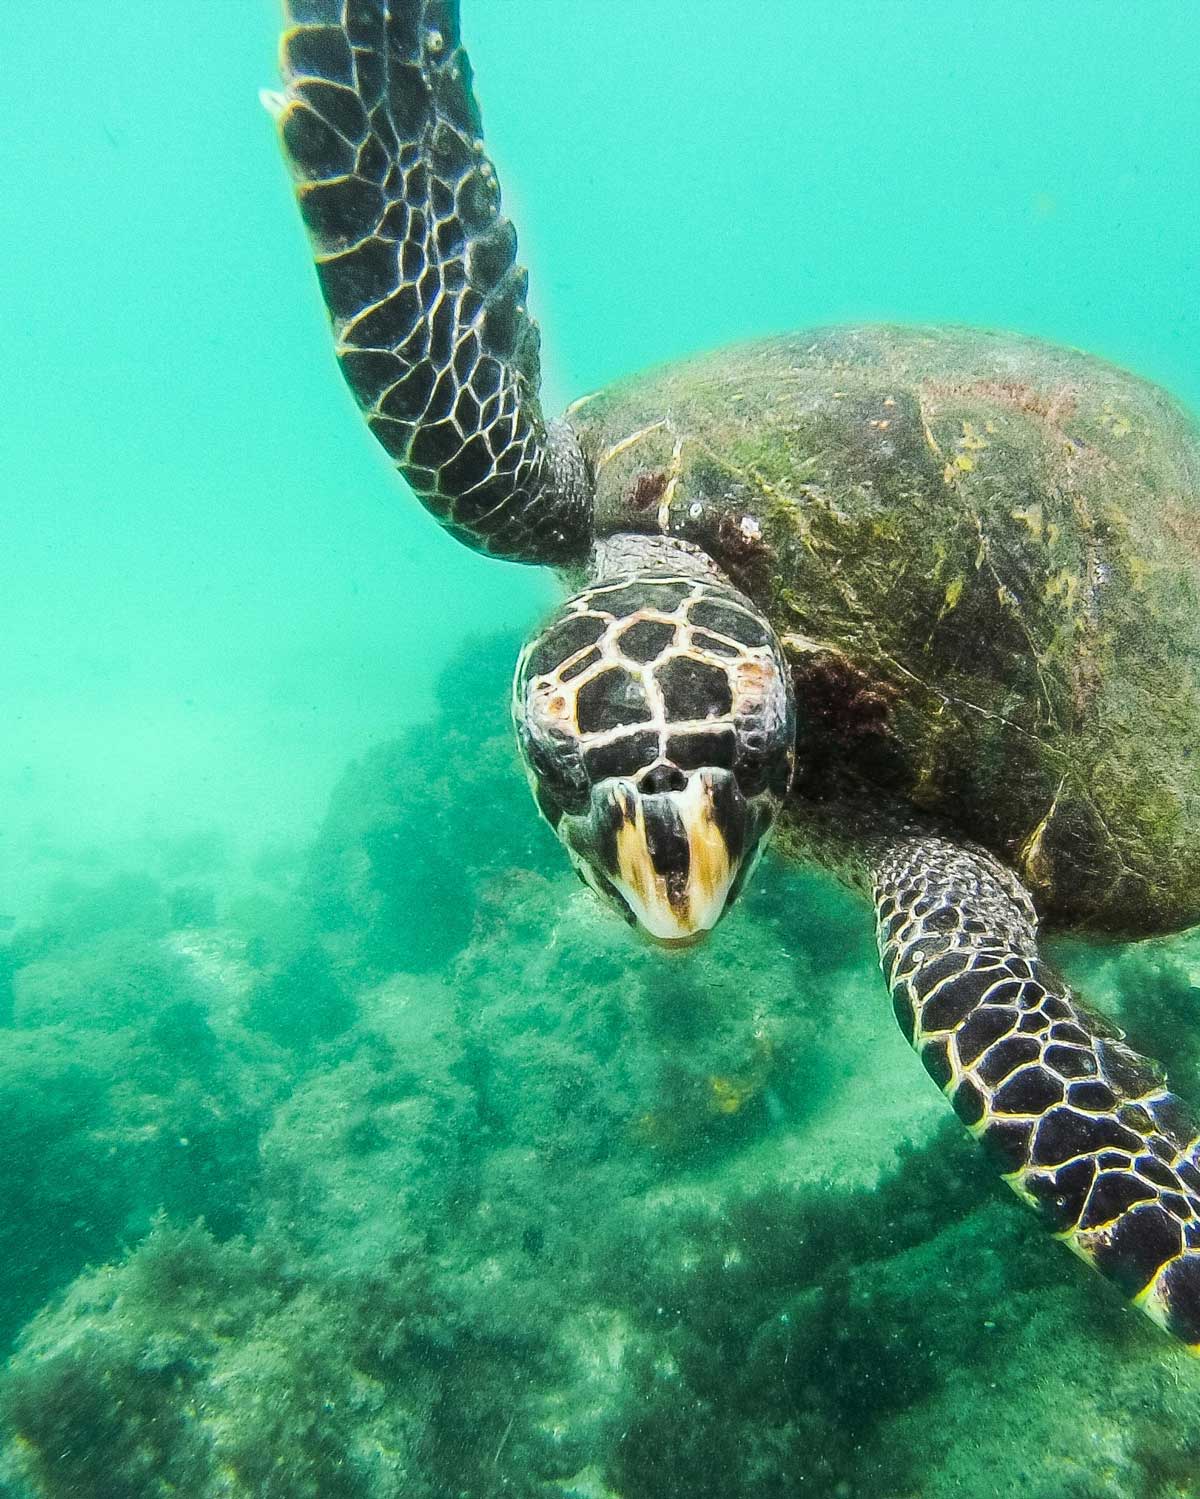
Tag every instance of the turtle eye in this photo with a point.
(753, 764)
(560, 782)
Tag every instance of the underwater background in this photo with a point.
(349, 1148)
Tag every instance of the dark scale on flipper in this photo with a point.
(937, 970)
(1114, 1193)
(955, 1001)
(321, 52)
(383, 134)
(1064, 1133)
(1138, 1245)
(1153, 1170)
(1008, 1142)
(979, 1031)
(1180, 1293)
(1005, 1057)
(1062, 1196)
(1030, 1091)
(903, 1010)
(936, 1056)
(316, 149)
(1130, 1074)
(968, 1103)
(1172, 1117)
(1092, 1095)
(1136, 1117)
(1189, 1175)
(1071, 1061)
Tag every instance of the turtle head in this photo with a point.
(654, 714)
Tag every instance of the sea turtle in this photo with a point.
(928, 599)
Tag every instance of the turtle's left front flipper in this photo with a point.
(1083, 1128)
(418, 268)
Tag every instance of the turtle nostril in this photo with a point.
(663, 778)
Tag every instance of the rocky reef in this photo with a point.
(408, 1172)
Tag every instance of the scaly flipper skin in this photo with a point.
(417, 267)
(1084, 1129)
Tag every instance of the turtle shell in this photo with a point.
(982, 554)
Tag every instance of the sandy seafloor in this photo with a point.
(348, 1148)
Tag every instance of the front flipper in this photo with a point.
(1084, 1129)
(417, 267)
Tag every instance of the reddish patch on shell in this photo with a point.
(1183, 522)
(844, 701)
(845, 724)
(746, 558)
(754, 679)
(647, 489)
(1053, 407)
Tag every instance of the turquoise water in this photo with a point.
(476, 1217)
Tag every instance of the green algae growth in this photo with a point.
(306, 1201)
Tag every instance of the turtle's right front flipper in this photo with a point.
(1084, 1129)
(418, 269)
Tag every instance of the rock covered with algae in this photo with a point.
(498, 1201)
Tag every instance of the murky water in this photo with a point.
(351, 1148)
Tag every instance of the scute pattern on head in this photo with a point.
(654, 675)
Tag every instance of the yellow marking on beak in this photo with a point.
(710, 873)
(638, 874)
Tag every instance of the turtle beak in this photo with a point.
(671, 857)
